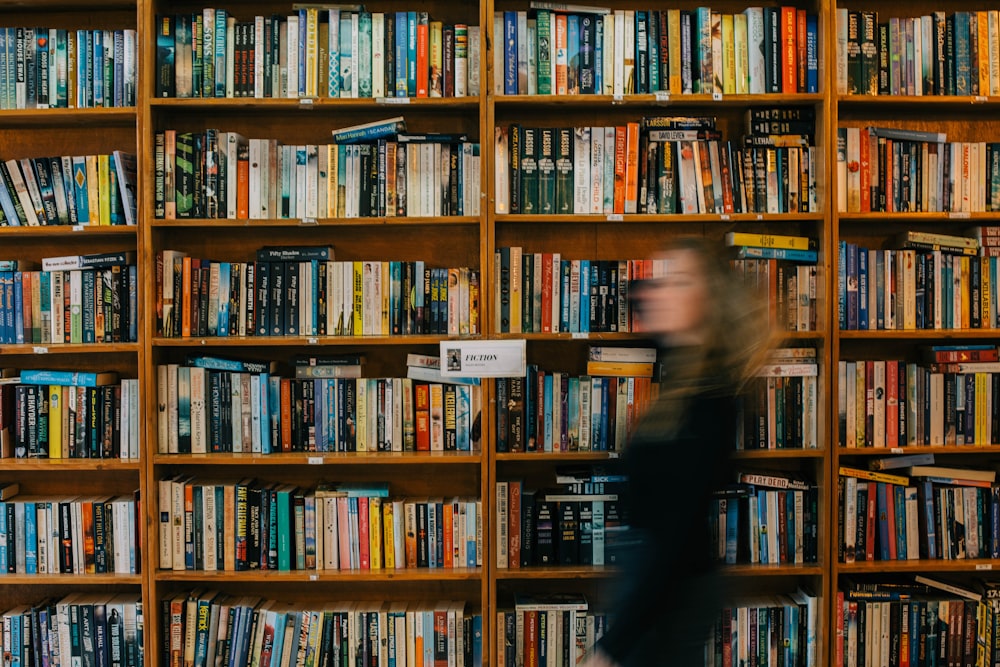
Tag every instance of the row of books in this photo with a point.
(59, 68)
(257, 525)
(207, 627)
(314, 297)
(929, 512)
(68, 190)
(765, 519)
(916, 288)
(315, 52)
(636, 168)
(557, 411)
(779, 408)
(62, 421)
(561, 525)
(554, 630)
(92, 305)
(892, 403)
(788, 286)
(933, 54)
(213, 406)
(937, 628)
(680, 51)
(70, 535)
(780, 628)
(219, 174)
(96, 628)
(892, 170)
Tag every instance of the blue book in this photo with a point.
(755, 252)
(80, 188)
(842, 285)
(399, 88)
(596, 403)
(573, 54)
(963, 82)
(301, 75)
(791, 536)
(225, 272)
(732, 529)
(365, 54)
(762, 523)
(68, 378)
(270, 440)
(605, 413)
(9, 209)
(463, 417)
(477, 640)
(30, 537)
(863, 289)
(133, 303)
(18, 308)
(411, 54)
(314, 295)
(879, 285)
(510, 53)
(546, 406)
(851, 298)
(812, 54)
(98, 73)
(573, 414)
(900, 496)
(368, 132)
(599, 55)
(565, 267)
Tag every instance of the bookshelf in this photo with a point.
(465, 240)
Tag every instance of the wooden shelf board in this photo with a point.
(758, 454)
(201, 223)
(77, 231)
(917, 566)
(919, 216)
(977, 450)
(556, 572)
(652, 100)
(322, 458)
(68, 465)
(300, 341)
(919, 334)
(71, 117)
(754, 570)
(649, 218)
(69, 579)
(68, 348)
(366, 576)
(308, 103)
(935, 101)
(525, 457)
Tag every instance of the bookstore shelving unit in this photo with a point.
(963, 116)
(58, 132)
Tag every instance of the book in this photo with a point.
(769, 241)
(365, 132)
(68, 378)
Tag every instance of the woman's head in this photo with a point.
(699, 304)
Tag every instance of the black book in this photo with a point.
(528, 533)
(546, 171)
(291, 310)
(514, 137)
(545, 529)
(165, 53)
(588, 48)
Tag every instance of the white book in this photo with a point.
(378, 54)
(254, 179)
(265, 177)
(522, 52)
(596, 170)
(312, 182)
(199, 421)
(628, 68)
(755, 49)
(177, 521)
(21, 189)
(618, 88)
(473, 66)
(231, 56)
(211, 545)
(532, 60)
(581, 170)
(258, 70)
(291, 53)
(172, 409)
(609, 55)
(256, 437)
(498, 38)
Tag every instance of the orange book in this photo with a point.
(185, 297)
(375, 532)
(286, 415)
(422, 415)
(243, 181)
(87, 516)
(448, 543)
(620, 150)
(632, 168)
(562, 67)
(423, 49)
(789, 68)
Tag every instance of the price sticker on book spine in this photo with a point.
(77, 228)
(40, 349)
(612, 455)
(615, 217)
(662, 96)
(392, 100)
(315, 460)
(984, 566)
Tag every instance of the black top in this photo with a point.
(668, 592)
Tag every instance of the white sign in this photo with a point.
(483, 358)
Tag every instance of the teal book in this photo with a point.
(573, 414)
(543, 26)
(564, 185)
(963, 61)
(333, 55)
(221, 31)
(365, 54)
(346, 55)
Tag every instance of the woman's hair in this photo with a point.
(737, 332)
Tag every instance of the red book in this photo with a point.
(789, 52)
(530, 638)
(547, 292)
(423, 48)
(422, 415)
(865, 170)
(243, 181)
(286, 415)
(186, 291)
(364, 547)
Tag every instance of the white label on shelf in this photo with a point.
(77, 228)
(618, 98)
(392, 100)
(306, 102)
(961, 215)
(315, 460)
(579, 335)
(40, 350)
(313, 341)
(204, 342)
(615, 217)
(723, 216)
(760, 216)
(612, 455)
(307, 221)
(716, 97)
(984, 566)
(313, 577)
(662, 95)
(896, 450)
(979, 99)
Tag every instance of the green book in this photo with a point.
(564, 171)
(543, 24)
(546, 171)
(529, 170)
(185, 175)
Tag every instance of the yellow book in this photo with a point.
(964, 288)
(55, 422)
(312, 51)
(982, 18)
(375, 532)
(728, 55)
(985, 290)
(768, 240)
(620, 368)
(436, 82)
(359, 299)
(674, 57)
(94, 192)
(331, 181)
(742, 55)
(389, 536)
(104, 190)
(874, 476)
(982, 409)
